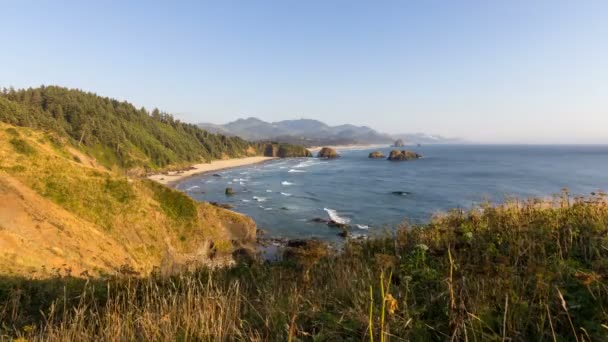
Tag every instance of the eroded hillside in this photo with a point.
(59, 209)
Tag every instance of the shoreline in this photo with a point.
(171, 177)
(348, 147)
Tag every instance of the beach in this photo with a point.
(216, 165)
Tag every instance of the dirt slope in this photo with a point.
(60, 210)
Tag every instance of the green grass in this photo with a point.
(23, 147)
(176, 204)
(524, 271)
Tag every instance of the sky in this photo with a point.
(486, 71)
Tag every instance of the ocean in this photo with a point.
(373, 196)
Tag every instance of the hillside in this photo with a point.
(116, 133)
(305, 132)
(62, 210)
(72, 199)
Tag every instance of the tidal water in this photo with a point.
(283, 196)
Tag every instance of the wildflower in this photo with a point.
(587, 278)
(392, 304)
(422, 247)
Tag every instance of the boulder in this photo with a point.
(328, 153)
(229, 192)
(344, 233)
(335, 224)
(403, 155)
(399, 143)
(376, 155)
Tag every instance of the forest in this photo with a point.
(117, 133)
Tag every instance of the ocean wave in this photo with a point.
(268, 190)
(285, 194)
(307, 163)
(362, 226)
(294, 170)
(333, 215)
(193, 187)
(246, 200)
(286, 183)
(259, 199)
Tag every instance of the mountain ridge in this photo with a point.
(311, 132)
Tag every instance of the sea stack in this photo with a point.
(403, 155)
(376, 155)
(399, 143)
(328, 153)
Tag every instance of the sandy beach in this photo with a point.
(216, 165)
(348, 147)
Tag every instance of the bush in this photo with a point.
(21, 146)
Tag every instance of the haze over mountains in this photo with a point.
(309, 132)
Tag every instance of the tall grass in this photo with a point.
(522, 271)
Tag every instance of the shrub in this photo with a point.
(21, 146)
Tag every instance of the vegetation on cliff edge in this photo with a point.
(522, 271)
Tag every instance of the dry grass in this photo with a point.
(526, 271)
(79, 215)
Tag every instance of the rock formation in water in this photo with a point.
(399, 143)
(376, 155)
(328, 153)
(403, 155)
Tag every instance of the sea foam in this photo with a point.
(333, 215)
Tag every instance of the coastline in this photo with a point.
(348, 147)
(171, 177)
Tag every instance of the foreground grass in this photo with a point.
(520, 271)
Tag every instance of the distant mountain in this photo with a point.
(307, 132)
(310, 132)
(423, 138)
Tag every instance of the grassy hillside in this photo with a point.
(62, 210)
(528, 271)
(116, 133)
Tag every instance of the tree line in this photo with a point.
(119, 131)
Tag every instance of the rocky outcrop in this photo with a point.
(399, 143)
(286, 151)
(229, 192)
(403, 155)
(376, 155)
(328, 153)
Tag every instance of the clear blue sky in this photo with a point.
(489, 71)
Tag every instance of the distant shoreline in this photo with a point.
(348, 147)
(172, 177)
